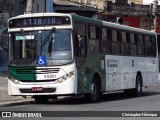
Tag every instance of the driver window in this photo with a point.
(80, 40)
(81, 45)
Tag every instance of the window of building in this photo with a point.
(121, 1)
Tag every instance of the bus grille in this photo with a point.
(37, 71)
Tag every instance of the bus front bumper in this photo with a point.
(42, 88)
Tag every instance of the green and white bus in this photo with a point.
(54, 54)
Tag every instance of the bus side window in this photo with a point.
(81, 45)
(80, 39)
(124, 43)
(133, 46)
(148, 47)
(153, 45)
(140, 45)
(105, 42)
(93, 39)
(115, 43)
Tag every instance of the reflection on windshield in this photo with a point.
(26, 47)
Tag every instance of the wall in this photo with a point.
(131, 21)
(35, 6)
(137, 1)
(158, 25)
(100, 4)
(6, 11)
(142, 22)
(39, 6)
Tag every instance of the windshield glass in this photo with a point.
(36, 47)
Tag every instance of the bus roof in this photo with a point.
(127, 28)
(88, 20)
(38, 15)
(109, 24)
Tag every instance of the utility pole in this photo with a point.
(154, 14)
(49, 6)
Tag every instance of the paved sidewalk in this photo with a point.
(4, 97)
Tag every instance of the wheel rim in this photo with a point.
(139, 87)
(93, 89)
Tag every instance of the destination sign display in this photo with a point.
(39, 21)
(27, 37)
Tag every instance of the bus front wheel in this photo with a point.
(95, 91)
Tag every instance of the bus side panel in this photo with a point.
(119, 73)
(148, 69)
(126, 71)
(140, 66)
(90, 66)
(112, 73)
(151, 67)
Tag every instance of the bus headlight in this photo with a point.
(65, 77)
(13, 80)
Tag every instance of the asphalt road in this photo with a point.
(116, 104)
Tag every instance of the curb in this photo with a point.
(29, 101)
(18, 102)
(2, 74)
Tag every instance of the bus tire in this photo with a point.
(137, 91)
(95, 93)
(41, 99)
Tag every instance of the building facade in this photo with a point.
(102, 4)
(6, 11)
(79, 7)
(137, 1)
(35, 6)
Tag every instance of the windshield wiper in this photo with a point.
(48, 36)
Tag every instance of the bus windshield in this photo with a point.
(26, 46)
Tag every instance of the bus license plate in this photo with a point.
(37, 89)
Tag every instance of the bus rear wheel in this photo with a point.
(138, 89)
